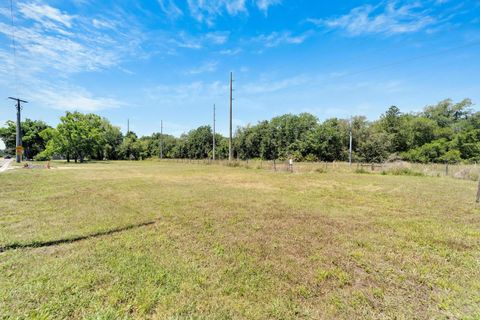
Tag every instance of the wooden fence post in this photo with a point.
(478, 191)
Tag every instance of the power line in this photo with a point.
(14, 48)
(402, 61)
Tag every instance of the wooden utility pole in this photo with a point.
(230, 150)
(161, 139)
(213, 149)
(18, 149)
(128, 126)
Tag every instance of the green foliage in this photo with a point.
(375, 149)
(32, 141)
(82, 136)
(444, 133)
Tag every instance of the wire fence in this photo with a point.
(457, 171)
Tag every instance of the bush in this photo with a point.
(402, 172)
(42, 156)
(234, 164)
(310, 158)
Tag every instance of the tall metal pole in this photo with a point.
(161, 139)
(213, 150)
(128, 126)
(230, 151)
(351, 140)
(18, 149)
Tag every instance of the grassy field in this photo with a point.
(187, 241)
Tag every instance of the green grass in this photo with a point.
(163, 240)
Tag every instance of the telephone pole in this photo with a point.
(213, 150)
(18, 149)
(351, 140)
(230, 150)
(161, 139)
(128, 126)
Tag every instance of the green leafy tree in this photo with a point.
(375, 149)
(32, 141)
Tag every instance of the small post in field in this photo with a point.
(478, 191)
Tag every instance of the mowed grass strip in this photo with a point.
(230, 243)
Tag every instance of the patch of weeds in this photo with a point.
(445, 304)
(321, 170)
(303, 292)
(233, 164)
(402, 172)
(357, 255)
(40, 315)
(360, 243)
(106, 314)
(337, 303)
(359, 299)
(208, 224)
(219, 250)
(336, 274)
(362, 171)
(283, 309)
(378, 293)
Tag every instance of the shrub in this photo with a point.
(42, 156)
(234, 164)
(402, 172)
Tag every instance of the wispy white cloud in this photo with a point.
(170, 9)
(103, 24)
(265, 4)
(64, 96)
(207, 11)
(387, 19)
(217, 37)
(230, 52)
(190, 92)
(275, 39)
(269, 86)
(209, 66)
(48, 16)
(187, 41)
(52, 45)
(49, 43)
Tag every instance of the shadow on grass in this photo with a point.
(40, 244)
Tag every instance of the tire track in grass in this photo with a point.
(49, 243)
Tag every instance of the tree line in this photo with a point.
(445, 132)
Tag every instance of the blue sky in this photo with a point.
(170, 59)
